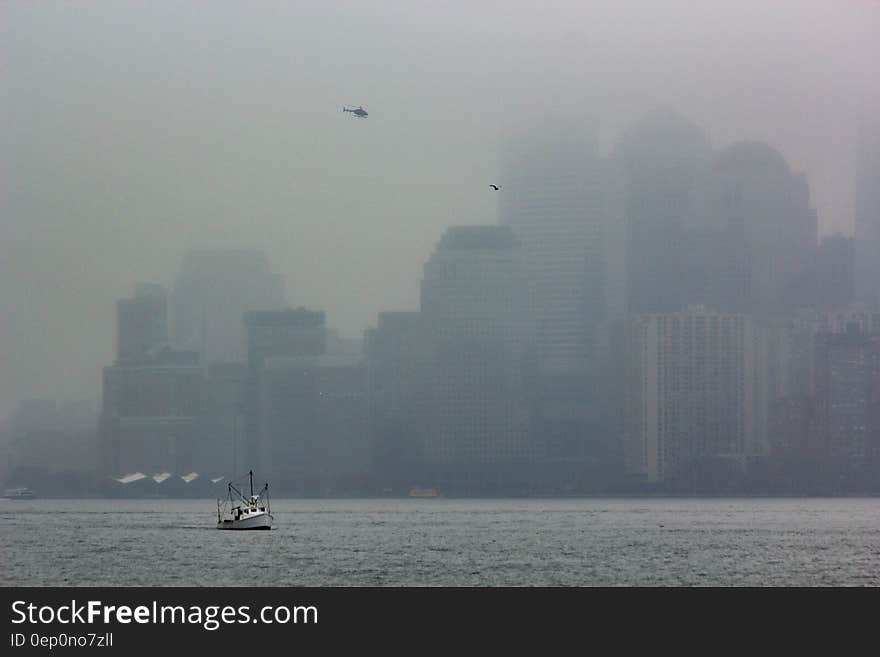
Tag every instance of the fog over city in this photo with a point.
(134, 132)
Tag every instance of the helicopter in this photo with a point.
(358, 111)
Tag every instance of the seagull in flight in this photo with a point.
(495, 187)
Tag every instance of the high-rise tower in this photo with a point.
(472, 299)
(867, 224)
(552, 199)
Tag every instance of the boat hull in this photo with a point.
(424, 493)
(251, 522)
(19, 494)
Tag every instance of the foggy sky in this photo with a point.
(131, 132)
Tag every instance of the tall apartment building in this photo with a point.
(695, 392)
(847, 399)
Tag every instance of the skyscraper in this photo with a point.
(398, 358)
(290, 332)
(150, 415)
(472, 300)
(141, 323)
(152, 396)
(695, 393)
(847, 392)
(223, 424)
(567, 206)
(766, 232)
(664, 158)
(867, 223)
(281, 333)
(835, 272)
(212, 291)
(313, 422)
(552, 199)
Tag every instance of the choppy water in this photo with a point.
(580, 542)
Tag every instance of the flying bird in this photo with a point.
(495, 187)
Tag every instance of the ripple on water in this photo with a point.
(456, 542)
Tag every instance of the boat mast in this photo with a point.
(251, 473)
(235, 442)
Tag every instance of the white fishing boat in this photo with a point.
(238, 511)
(423, 492)
(23, 493)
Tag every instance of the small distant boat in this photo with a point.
(238, 511)
(23, 493)
(423, 492)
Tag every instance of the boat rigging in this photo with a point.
(238, 511)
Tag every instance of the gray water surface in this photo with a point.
(444, 542)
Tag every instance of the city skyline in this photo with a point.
(203, 270)
(123, 150)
